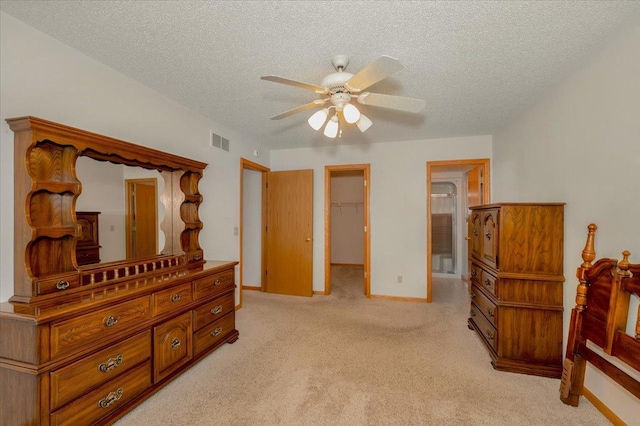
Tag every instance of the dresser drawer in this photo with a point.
(58, 284)
(171, 298)
(213, 333)
(484, 305)
(213, 284)
(76, 379)
(68, 336)
(213, 310)
(99, 403)
(485, 328)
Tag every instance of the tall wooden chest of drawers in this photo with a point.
(516, 288)
(88, 245)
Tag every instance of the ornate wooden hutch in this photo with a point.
(86, 344)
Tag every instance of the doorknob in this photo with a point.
(307, 239)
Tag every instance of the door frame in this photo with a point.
(450, 165)
(250, 165)
(366, 169)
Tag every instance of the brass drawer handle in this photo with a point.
(62, 285)
(472, 313)
(110, 364)
(474, 272)
(175, 297)
(175, 343)
(490, 312)
(197, 257)
(488, 235)
(489, 335)
(216, 310)
(472, 294)
(216, 332)
(110, 321)
(475, 232)
(487, 282)
(217, 282)
(111, 398)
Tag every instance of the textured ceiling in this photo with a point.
(477, 64)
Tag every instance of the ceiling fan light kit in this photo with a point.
(341, 87)
(331, 129)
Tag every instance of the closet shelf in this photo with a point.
(348, 204)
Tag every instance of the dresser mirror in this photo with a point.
(130, 208)
(50, 165)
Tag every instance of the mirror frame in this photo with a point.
(46, 227)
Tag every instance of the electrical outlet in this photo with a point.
(399, 279)
(235, 231)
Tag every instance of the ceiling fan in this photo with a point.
(341, 87)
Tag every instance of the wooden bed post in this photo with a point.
(574, 365)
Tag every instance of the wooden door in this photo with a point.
(289, 232)
(142, 222)
(474, 198)
(474, 186)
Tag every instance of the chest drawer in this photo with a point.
(215, 283)
(86, 256)
(76, 379)
(213, 310)
(102, 401)
(67, 336)
(485, 305)
(171, 298)
(485, 328)
(489, 282)
(213, 333)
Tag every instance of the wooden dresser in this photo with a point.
(88, 245)
(516, 269)
(83, 345)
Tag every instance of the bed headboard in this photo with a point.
(600, 317)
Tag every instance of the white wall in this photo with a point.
(398, 203)
(581, 145)
(42, 77)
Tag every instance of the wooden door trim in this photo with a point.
(366, 169)
(435, 166)
(250, 165)
(128, 183)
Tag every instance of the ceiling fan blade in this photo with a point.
(392, 102)
(316, 103)
(378, 70)
(295, 83)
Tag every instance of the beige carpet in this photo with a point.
(347, 360)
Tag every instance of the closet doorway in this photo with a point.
(346, 221)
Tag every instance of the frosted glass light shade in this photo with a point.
(331, 129)
(351, 113)
(363, 123)
(318, 118)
